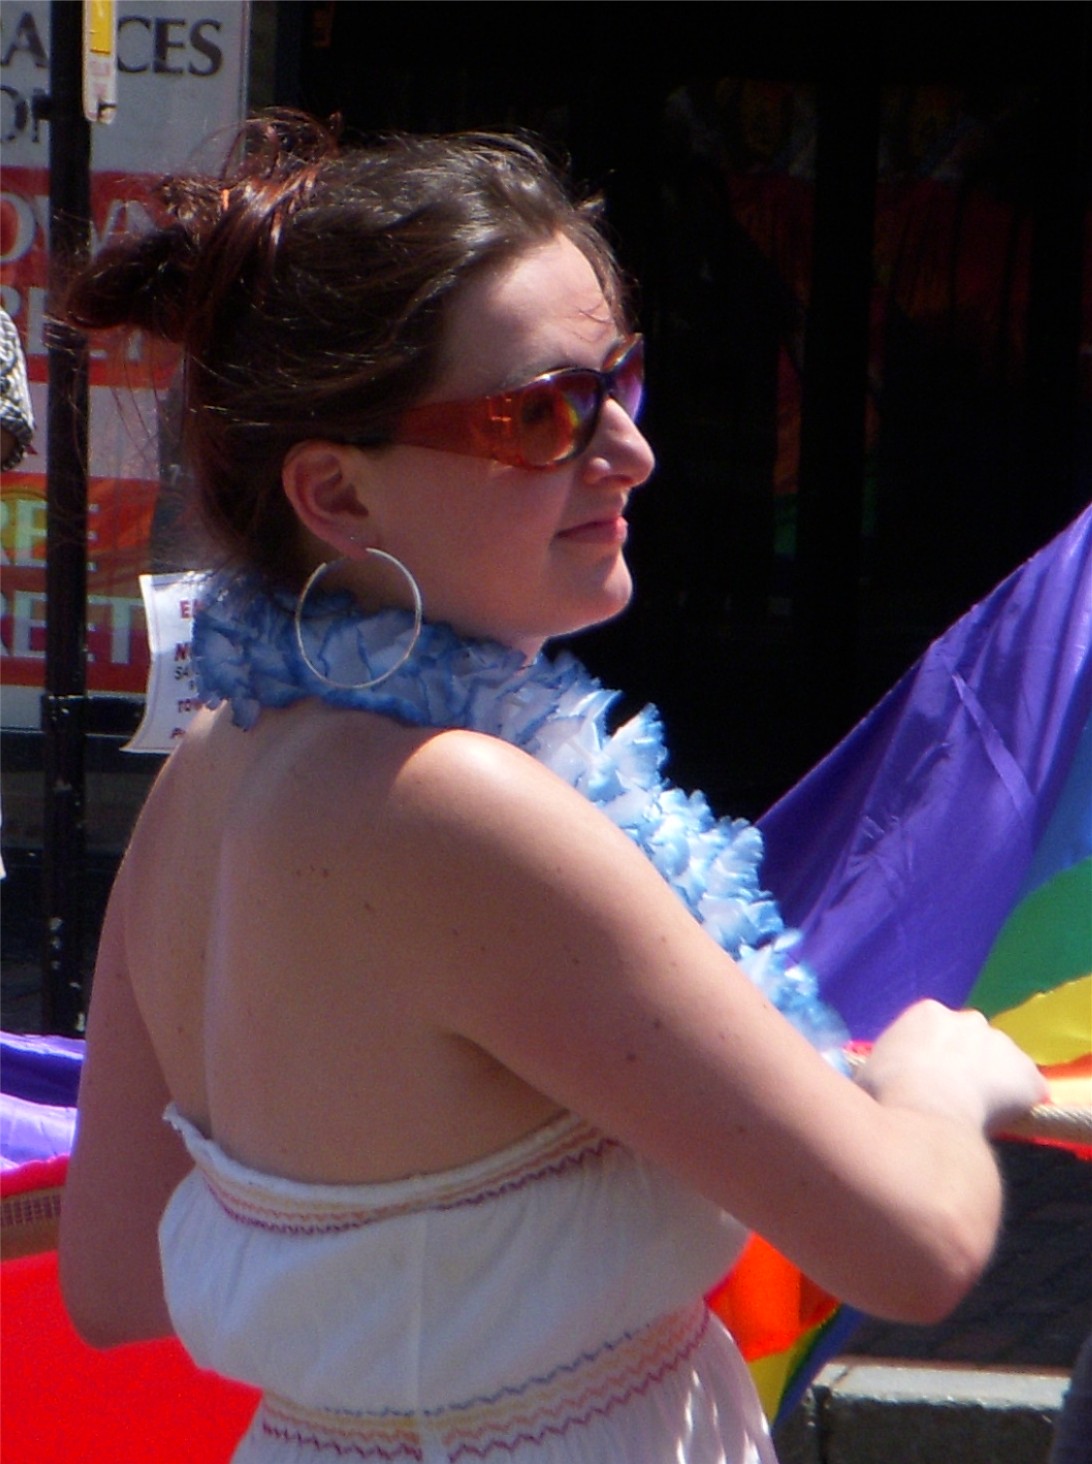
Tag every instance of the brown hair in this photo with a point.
(306, 286)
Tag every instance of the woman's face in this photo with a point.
(508, 553)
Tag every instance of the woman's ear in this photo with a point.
(323, 481)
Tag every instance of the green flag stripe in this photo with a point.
(1046, 941)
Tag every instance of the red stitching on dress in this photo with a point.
(597, 1410)
(377, 1451)
(512, 1426)
(329, 1221)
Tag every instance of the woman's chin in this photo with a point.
(589, 606)
(619, 590)
(611, 601)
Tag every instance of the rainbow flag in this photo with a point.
(944, 849)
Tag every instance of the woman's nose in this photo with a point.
(619, 450)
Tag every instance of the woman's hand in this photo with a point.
(935, 1060)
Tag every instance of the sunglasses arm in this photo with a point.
(479, 429)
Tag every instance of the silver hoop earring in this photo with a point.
(418, 613)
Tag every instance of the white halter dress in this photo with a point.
(540, 1306)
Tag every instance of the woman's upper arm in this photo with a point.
(551, 942)
(125, 1163)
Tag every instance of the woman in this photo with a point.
(467, 1110)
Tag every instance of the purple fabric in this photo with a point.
(901, 854)
(31, 1130)
(41, 1069)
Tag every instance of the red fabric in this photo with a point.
(36, 1174)
(766, 1303)
(65, 1403)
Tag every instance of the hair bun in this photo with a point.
(143, 281)
(212, 234)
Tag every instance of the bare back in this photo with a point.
(269, 973)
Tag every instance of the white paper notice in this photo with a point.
(170, 601)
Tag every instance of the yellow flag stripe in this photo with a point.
(1054, 1026)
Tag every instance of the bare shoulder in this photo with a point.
(476, 781)
(468, 871)
(353, 778)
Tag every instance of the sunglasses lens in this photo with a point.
(541, 425)
(629, 380)
(557, 418)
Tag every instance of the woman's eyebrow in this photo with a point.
(514, 382)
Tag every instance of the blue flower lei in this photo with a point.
(245, 653)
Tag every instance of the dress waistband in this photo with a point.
(289, 1207)
(572, 1396)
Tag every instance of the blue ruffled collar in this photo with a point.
(245, 653)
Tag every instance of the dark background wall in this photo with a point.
(859, 232)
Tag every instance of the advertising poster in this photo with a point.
(181, 91)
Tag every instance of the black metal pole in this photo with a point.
(64, 703)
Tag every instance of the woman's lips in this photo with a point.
(597, 531)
